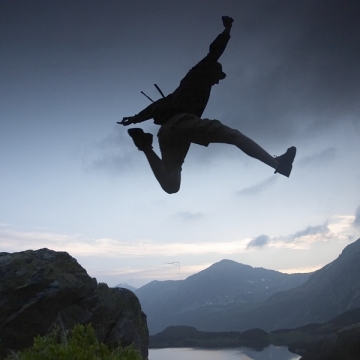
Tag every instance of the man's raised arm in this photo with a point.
(218, 46)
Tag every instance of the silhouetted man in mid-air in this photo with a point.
(179, 115)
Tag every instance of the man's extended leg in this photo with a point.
(168, 180)
(282, 164)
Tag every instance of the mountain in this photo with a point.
(327, 293)
(126, 286)
(229, 296)
(222, 286)
(338, 338)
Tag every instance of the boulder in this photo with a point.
(39, 287)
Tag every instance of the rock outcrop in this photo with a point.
(36, 287)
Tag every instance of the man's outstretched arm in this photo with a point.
(218, 46)
(148, 113)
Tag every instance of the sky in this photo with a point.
(72, 180)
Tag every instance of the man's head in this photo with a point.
(217, 73)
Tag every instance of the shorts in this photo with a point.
(177, 134)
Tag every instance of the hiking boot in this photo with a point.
(285, 161)
(141, 140)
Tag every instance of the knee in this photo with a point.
(171, 188)
(172, 185)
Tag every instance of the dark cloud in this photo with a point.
(298, 70)
(115, 154)
(310, 230)
(189, 216)
(113, 164)
(117, 139)
(357, 218)
(324, 157)
(292, 66)
(258, 188)
(259, 241)
(264, 240)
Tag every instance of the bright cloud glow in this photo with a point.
(139, 262)
(338, 227)
(76, 245)
(302, 269)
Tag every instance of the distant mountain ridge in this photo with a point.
(327, 293)
(223, 285)
(229, 296)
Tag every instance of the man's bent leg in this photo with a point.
(168, 180)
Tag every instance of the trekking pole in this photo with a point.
(158, 89)
(147, 96)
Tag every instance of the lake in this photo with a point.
(243, 353)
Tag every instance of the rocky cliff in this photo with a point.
(36, 287)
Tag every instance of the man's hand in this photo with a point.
(227, 21)
(127, 121)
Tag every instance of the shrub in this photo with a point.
(80, 344)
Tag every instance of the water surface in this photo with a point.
(243, 353)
